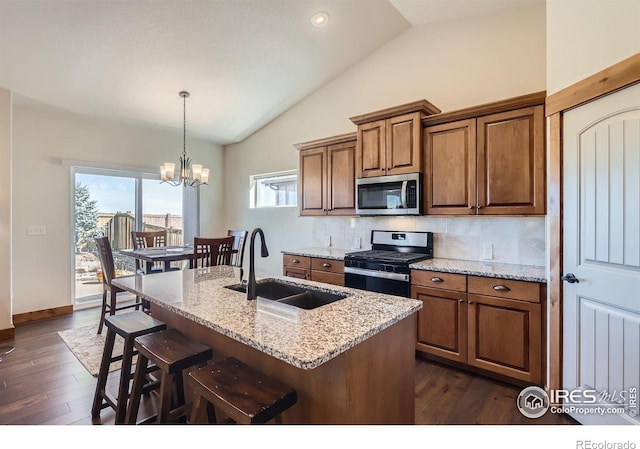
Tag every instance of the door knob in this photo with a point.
(570, 278)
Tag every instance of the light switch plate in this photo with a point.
(36, 230)
(327, 241)
(357, 242)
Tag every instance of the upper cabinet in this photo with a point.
(326, 178)
(389, 141)
(487, 160)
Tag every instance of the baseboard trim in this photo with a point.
(28, 317)
(7, 334)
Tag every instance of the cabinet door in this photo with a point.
(404, 144)
(311, 185)
(450, 168)
(296, 272)
(370, 149)
(442, 323)
(341, 179)
(505, 337)
(511, 162)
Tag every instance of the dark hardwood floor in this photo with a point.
(42, 382)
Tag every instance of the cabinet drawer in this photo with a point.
(328, 278)
(436, 279)
(296, 261)
(328, 265)
(505, 288)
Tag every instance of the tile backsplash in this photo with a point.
(518, 240)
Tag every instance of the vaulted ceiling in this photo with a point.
(244, 61)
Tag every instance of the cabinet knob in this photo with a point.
(461, 301)
(478, 207)
(326, 265)
(436, 279)
(295, 261)
(469, 302)
(501, 288)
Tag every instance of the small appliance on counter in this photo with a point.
(385, 268)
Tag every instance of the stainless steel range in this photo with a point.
(385, 268)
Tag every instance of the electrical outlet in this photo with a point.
(327, 241)
(487, 251)
(36, 230)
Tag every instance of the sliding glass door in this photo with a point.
(113, 203)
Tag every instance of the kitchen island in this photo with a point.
(350, 361)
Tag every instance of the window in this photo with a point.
(113, 203)
(274, 189)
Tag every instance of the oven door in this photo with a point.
(377, 281)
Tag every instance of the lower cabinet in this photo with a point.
(329, 271)
(492, 324)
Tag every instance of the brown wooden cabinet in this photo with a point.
(296, 266)
(318, 269)
(486, 163)
(389, 142)
(494, 325)
(326, 178)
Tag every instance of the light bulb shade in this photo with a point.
(169, 169)
(204, 175)
(196, 170)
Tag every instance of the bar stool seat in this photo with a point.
(243, 394)
(129, 326)
(172, 352)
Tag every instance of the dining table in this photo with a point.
(165, 254)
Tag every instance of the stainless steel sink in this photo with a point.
(300, 296)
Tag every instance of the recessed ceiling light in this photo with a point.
(320, 19)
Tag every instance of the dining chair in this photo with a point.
(208, 252)
(149, 239)
(108, 289)
(237, 256)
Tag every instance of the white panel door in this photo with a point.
(601, 328)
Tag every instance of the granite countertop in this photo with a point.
(532, 273)
(325, 253)
(315, 337)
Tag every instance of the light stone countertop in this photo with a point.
(532, 273)
(316, 336)
(325, 253)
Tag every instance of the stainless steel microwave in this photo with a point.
(389, 195)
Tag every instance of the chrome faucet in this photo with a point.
(264, 252)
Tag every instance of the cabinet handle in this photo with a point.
(501, 288)
(469, 302)
(326, 265)
(478, 207)
(436, 279)
(295, 261)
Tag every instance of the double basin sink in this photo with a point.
(301, 296)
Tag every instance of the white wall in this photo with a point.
(587, 36)
(42, 189)
(5, 210)
(453, 65)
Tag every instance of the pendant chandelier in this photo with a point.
(189, 175)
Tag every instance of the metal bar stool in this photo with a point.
(239, 392)
(128, 326)
(172, 352)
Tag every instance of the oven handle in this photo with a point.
(377, 274)
(403, 194)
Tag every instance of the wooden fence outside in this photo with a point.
(119, 228)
